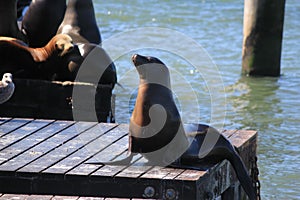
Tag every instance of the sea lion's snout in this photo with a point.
(139, 60)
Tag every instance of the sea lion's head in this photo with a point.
(63, 44)
(151, 70)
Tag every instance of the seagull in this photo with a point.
(7, 87)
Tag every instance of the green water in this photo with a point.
(269, 105)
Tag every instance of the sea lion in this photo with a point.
(80, 23)
(41, 21)
(8, 20)
(17, 57)
(7, 87)
(99, 63)
(156, 130)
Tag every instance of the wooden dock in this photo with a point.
(46, 157)
(53, 100)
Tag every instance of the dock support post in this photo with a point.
(263, 30)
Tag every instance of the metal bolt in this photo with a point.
(170, 194)
(149, 192)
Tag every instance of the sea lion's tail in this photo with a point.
(123, 162)
(241, 172)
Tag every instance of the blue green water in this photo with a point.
(269, 105)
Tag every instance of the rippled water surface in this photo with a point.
(269, 105)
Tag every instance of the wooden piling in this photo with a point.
(263, 30)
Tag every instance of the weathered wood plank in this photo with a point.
(39, 197)
(4, 119)
(112, 170)
(242, 137)
(22, 132)
(50, 197)
(13, 196)
(156, 173)
(91, 198)
(85, 153)
(136, 169)
(173, 173)
(82, 137)
(46, 146)
(11, 125)
(31, 141)
(106, 154)
(228, 133)
(65, 198)
(190, 175)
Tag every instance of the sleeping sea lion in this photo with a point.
(41, 21)
(8, 20)
(16, 56)
(99, 63)
(80, 23)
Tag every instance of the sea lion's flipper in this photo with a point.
(123, 162)
(242, 174)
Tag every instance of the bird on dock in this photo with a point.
(7, 87)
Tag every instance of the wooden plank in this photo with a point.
(241, 138)
(228, 133)
(135, 170)
(105, 155)
(22, 132)
(163, 173)
(11, 125)
(112, 170)
(89, 150)
(65, 198)
(39, 197)
(156, 173)
(46, 146)
(190, 175)
(31, 141)
(3, 120)
(50, 197)
(69, 147)
(173, 173)
(13, 196)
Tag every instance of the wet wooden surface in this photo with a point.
(47, 157)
